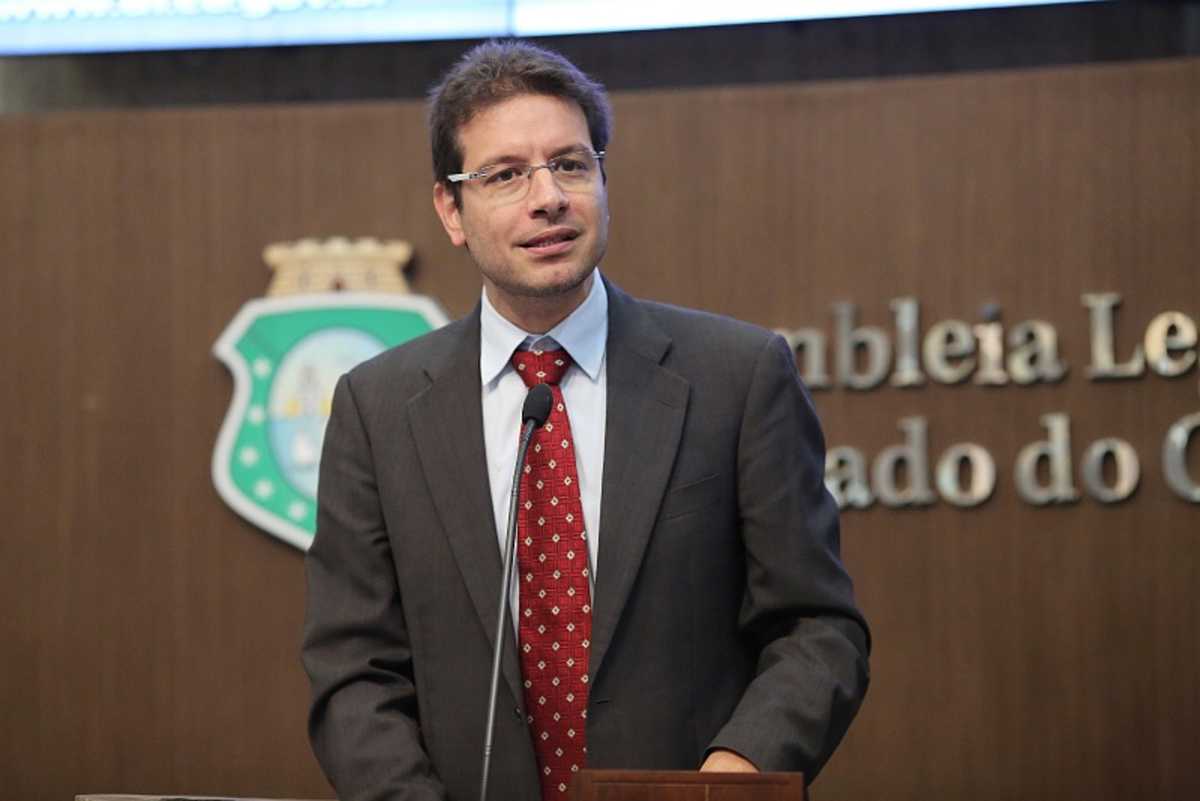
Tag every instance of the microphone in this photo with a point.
(537, 405)
(533, 415)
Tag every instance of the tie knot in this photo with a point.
(541, 366)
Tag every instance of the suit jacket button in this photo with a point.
(518, 713)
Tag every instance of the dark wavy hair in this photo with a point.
(496, 71)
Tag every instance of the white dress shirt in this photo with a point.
(584, 335)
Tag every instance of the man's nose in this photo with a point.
(545, 195)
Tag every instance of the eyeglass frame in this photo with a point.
(530, 169)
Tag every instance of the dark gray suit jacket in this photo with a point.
(722, 614)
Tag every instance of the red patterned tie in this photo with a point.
(555, 617)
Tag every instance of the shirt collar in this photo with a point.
(582, 334)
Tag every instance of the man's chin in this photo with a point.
(552, 291)
(550, 286)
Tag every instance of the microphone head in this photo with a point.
(537, 405)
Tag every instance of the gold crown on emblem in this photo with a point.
(338, 264)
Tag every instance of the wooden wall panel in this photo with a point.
(151, 634)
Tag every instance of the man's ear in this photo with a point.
(447, 210)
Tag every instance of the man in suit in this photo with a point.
(677, 484)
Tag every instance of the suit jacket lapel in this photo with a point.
(447, 422)
(646, 408)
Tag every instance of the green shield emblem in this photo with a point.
(286, 355)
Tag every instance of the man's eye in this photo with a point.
(570, 164)
(504, 175)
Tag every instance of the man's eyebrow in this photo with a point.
(575, 148)
(509, 159)
(491, 162)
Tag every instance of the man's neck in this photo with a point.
(538, 315)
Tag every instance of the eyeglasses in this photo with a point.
(574, 172)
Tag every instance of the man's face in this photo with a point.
(544, 243)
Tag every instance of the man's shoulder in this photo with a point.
(404, 368)
(703, 331)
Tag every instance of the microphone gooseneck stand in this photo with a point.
(533, 414)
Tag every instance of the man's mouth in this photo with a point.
(551, 242)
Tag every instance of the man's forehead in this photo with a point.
(523, 126)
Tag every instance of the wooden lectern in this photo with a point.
(685, 785)
(620, 785)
